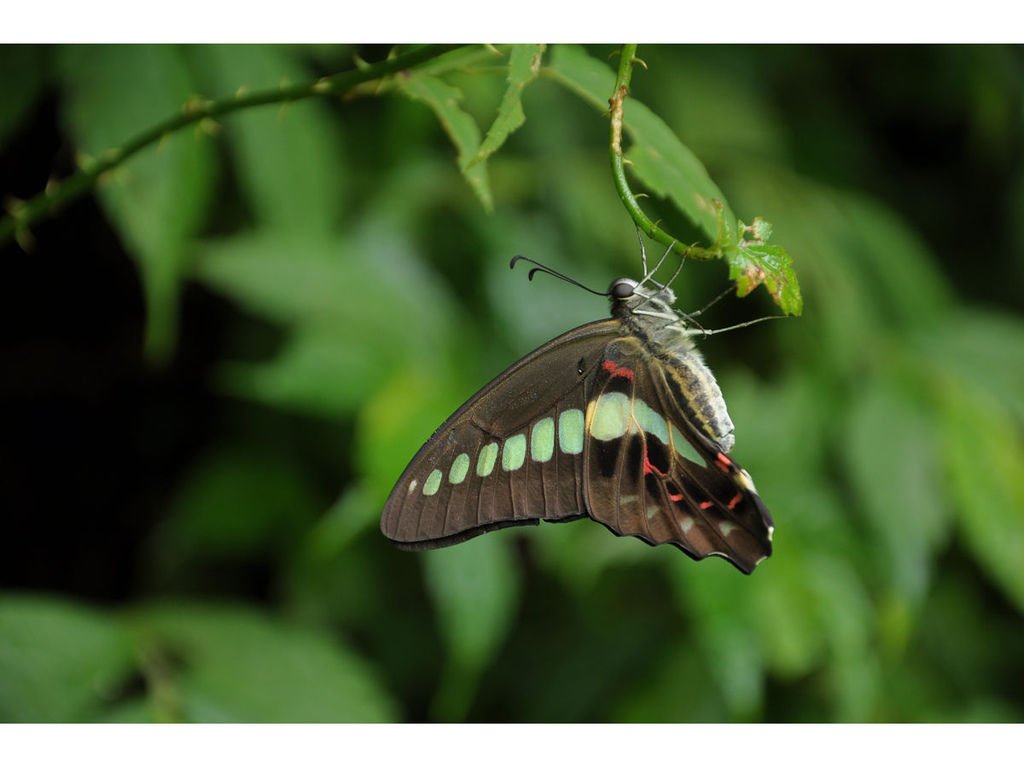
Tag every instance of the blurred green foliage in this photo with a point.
(367, 295)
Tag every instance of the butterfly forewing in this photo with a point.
(512, 455)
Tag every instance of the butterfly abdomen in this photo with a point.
(699, 395)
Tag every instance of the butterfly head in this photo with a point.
(627, 296)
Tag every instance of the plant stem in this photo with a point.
(616, 107)
(22, 215)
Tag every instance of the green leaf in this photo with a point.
(444, 100)
(784, 608)
(659, 159)
(353, 513)
(20, 86)
(235, 665)
(59, 661)
(717, 601)
(476, 591)
(157, 199)
(656, 698)
(321, 370)
(237, 501)
(523, 67)
(399, 418)
(668, 168)
(753, 262)
(349, 333)
(982, 348)
(984, 453)
(906, 283)
(891, 460)
(846, 617)
(288, 156)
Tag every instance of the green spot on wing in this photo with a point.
(570, 431)
(684, 448)
(433, 483)
(542, 439)
(650, 421)
(485, 462)
(513, 453)
(459, 469)
(612, 416)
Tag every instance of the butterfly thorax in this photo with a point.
(649, 315)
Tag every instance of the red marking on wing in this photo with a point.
(650, 469)
(734, 501)
(723, 461)
(617, 370)
(676, 496)
(707, 504)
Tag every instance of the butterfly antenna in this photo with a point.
(538, 267)
(650, 275)
(643, 249)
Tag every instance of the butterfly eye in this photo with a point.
(622, 289)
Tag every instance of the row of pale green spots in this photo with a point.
(513, 451)
(612, 416)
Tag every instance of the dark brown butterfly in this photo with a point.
(619, 420)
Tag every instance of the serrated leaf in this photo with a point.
(659, 158)
(475, 590)
(287, 156)
(752, 261)
(523, 67)
(158, 198)
(444, 100)
(668, 167)
(59, 661)
(236, 665)
(984, 454)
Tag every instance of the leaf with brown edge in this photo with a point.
(752, 261)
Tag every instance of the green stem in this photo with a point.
(23, 215)
(616, 105)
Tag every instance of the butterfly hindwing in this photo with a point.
(512, 455)
(652, 474)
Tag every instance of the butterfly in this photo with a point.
(619, 420)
